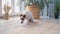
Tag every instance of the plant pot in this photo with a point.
(35, 9)
(6, 16)
(56, 14)
(56, 17)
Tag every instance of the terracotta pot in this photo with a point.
(35, 9)
(6, 16)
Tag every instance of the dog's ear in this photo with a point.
(21, 15)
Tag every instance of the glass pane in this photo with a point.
(19, 5)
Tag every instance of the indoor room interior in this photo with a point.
(46, 14)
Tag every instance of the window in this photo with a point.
(5, 2)
(19, 5)
(16, 5)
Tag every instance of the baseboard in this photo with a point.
(45, 17)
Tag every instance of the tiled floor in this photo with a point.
(42, 26)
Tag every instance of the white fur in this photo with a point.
(25, 23)
(28, 16)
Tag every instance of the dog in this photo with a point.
(26, 15)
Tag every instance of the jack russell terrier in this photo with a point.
(26, 15)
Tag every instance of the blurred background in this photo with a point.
(47, 8)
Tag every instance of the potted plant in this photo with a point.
(34, 7)
(57, 9)
(6, 10)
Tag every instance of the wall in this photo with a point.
(1, 7)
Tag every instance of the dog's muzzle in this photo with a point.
(22, 21)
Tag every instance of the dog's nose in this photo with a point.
(21, 22)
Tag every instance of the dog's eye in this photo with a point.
(24, 16)
(21, 15)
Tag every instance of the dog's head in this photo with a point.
(22, 17)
